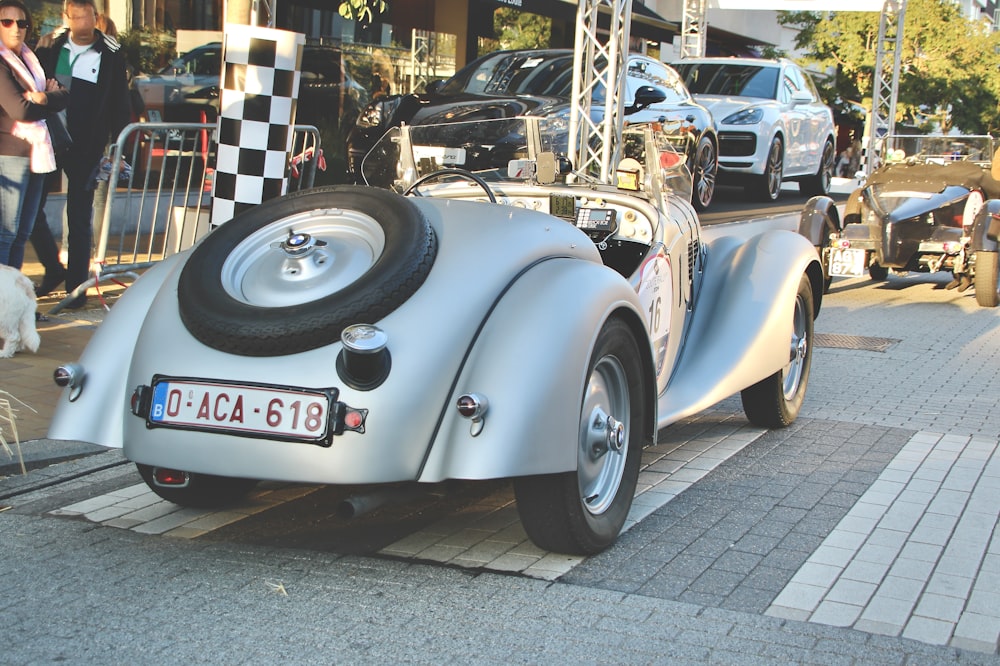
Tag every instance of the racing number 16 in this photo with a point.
(655, 308)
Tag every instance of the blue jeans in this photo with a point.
(20, 194)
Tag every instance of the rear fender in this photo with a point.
(742, 323)
(96, 415)
(819, 219)
(530, 362)
(986, 228)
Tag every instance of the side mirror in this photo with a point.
(645, 96)
(434, 86)
(801, 97)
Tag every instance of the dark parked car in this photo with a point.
(933, 207)
(507, 84)
(187, 90)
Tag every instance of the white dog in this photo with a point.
(17, 312)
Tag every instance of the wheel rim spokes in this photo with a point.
(604, 427)
(798, 352)
(774, 169)
(827, 167)
(706, 176)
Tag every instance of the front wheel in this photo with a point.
(706, 170)
(987, 290)
(582, 512)
(203, 491)
(775, 402)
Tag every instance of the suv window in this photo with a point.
(730, 79)
(515, 73)
(793, 81)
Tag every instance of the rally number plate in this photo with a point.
(263, 411)
(847, 262)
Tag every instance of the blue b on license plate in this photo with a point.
(264, 411)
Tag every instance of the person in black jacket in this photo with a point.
(91, 65)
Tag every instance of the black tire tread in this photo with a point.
(987, 292)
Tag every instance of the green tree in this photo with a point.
(515, 29)
(362, 10)
(949, 66)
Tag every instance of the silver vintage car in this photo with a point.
(495, 317)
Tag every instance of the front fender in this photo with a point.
(96, 415)
(530, 361)
(742, 323)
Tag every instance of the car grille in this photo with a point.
(737, 144)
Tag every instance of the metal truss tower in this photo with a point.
(595, 134)
(693, 28)
(882, 121)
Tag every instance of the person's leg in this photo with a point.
(13, 173)
(26, 218)
(79, 211)
(46, 248)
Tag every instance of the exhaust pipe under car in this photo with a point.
(361, 503)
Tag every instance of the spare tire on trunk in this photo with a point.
(288, 275)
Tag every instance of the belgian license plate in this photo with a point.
(847, 262)
(264, 411)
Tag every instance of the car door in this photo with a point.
(796, 121)
(819, 124)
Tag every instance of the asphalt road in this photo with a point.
(730, 204)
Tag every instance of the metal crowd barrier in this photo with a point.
(158, 196)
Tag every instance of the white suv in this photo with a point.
(773, 126)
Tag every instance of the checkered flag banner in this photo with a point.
(260, 84)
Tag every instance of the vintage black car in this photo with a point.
(538, 82)
(932, 207)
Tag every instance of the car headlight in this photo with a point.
(744, 117)
(371, 116)
(377, 113)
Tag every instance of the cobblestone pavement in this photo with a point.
(864, 533)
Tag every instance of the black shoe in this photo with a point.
(77, 303)
(50, 282)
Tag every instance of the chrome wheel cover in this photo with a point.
(706, 169)
(798, 352)
(773, 169)
(302, 258)
(826, 167)
(604, 429)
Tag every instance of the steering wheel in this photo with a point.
(443, 173)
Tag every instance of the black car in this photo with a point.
(187, 90)
(933, 207)
(539, 82)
